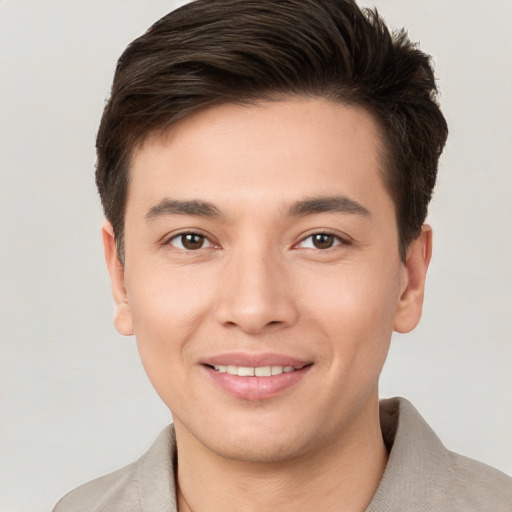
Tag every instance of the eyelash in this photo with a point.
(186, 233)
(338, 240)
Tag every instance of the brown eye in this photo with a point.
(323, 240)
(189, 241)
(192, 241)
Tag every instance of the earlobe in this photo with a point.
(123, 321)
(410, 304)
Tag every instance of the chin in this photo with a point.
(256, 439)
(256, 449)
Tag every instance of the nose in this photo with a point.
(256, 293)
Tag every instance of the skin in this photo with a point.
(258, 284)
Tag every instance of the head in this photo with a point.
(265, 172)
(243, 52)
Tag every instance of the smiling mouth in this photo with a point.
(258, 371)
(259, 382)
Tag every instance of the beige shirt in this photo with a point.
(421, 475)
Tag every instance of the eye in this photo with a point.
(320, 241)
(190, 241)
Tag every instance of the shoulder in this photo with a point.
(423, 475)
(147, 484)
(109, 492)
(477, 486)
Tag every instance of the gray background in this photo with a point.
(75, 402)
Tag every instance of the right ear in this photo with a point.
(123, 320)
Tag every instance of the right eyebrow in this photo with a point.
(177, 207)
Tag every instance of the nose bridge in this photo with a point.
(255, 290)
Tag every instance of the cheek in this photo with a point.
(356, 294)
(357, 309)
(167, 310)
(166, 298)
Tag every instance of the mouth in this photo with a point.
(256, 378)
(255, 371)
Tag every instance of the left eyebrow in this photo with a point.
(334, 204)
(176, 207)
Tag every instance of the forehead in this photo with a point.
(266, 152)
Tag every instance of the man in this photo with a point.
(265, 169)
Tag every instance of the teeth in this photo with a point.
(260, 371)
(244, 371)
(263, 371)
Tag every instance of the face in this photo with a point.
(262, 276)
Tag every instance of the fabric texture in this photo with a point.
(421, 475)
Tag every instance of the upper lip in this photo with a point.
(254, 360)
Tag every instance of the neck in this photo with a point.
(343, 474)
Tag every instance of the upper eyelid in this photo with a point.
(342, 237)
(166, 240)
(191, 231)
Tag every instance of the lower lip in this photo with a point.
(256, 388)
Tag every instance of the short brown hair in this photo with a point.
(237, 51)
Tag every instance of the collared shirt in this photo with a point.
(421, 475)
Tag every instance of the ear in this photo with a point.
(410, 305)
(123, 317)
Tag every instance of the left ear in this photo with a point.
(410, 305)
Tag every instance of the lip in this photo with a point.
(255, 388)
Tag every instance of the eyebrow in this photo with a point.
(336, 204)
(177, 207)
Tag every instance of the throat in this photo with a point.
(353, 487)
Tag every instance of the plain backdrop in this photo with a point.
(75, 402)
